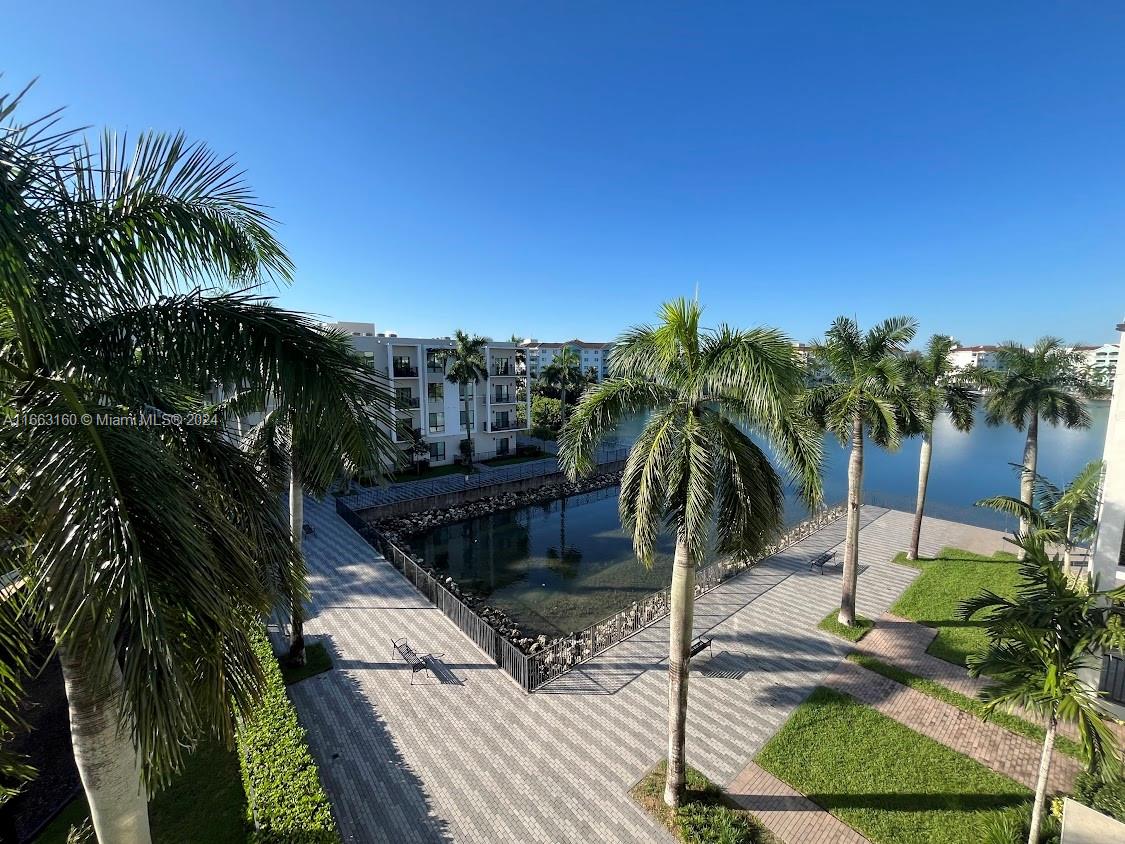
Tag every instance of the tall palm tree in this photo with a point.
(693, 470)
(940, 387)
(346, 434)
(146, 541)
(1048, 382)
(1041, 643)
(465, 365)
(564, 372)
(1063, 517)
(867, 394)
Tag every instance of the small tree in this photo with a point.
(1041, 644)
(565, 374)
(1063, 517)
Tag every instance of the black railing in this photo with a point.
(502, 398)
(1113, 678)
(412, 403)
(507, 425)
(406, 372)
(503, 370)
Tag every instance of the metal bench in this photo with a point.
(700, 645)
(416, 663)
(827, 558)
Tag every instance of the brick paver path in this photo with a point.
(788, 814)
(483, 761)
(903, 643)
(993, 746)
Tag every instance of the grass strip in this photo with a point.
(317, 661)
(706, 815)
(890, 783)
(1011, 723)
(831, 624)
(945, 581)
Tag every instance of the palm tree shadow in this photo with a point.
(371, 786)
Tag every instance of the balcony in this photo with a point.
(506, 425)
(412, 403)
(503, 398)
(406, 371)
(503, 368)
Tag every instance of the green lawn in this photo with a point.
(205, 805)
(932, 599)
(508, 461)
(890, 783)
(317, 661)
(1010, 722)
(830, 623)
(706, 815)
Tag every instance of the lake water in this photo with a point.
(560, 567)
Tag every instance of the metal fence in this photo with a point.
(1113, 678)
(530, 671)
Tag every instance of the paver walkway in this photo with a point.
(483, 761)
(903, 643)
(788, 814)
(993, 746)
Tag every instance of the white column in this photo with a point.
(487, 389)
(1111, 515)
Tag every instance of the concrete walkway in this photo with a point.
(480, 760)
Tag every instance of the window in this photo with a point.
(468, 418)
(502, 446)
(437, 451)
(434, 364)
(500, 422)
(502, 395)
(402, 396)
(465, 391)
(437, 423)
(369, 359)
(403, 368)
(405, 430)
(435, 392)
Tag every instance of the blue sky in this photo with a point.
(557, 169)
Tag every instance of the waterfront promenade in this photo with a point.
(476, 759)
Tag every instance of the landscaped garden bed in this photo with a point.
(888, 782)
(831, 624)
(706, 815)
(947, 580)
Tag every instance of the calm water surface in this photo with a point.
(561, 567)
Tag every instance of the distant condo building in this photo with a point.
(425, 401)
(1101, 360)
(593, 356)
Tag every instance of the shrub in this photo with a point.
(546, 414)
(1105, 795)
(283, 791)
(702, 823)
(1012, 826)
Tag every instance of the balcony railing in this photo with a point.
(506, 425)
(411, 403)
(406, 372)
(503, 369)
(503, 398)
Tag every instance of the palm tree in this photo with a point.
(1048, 382)
(465, 365)
(343, 435)
(693, 470)
(564, 372)
(940, 388)
(147, 542)
(866, 393)
(1041, 643)
(1063, 517)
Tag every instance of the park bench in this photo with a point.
(827, 558)
(416, 663)
(700, 645)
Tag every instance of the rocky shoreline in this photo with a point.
(400, 529)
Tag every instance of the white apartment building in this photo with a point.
(1107, 558)
(982, 356)
(591, 356)
(426, 401)
(1102, 361)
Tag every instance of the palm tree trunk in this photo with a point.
(1041, 781)
(296, 530)
(106, 758)
(468, 434)
(851, 542)
(1030, 464)
(923, 481)
(562, 403)
(680, 619)
(1067, 544)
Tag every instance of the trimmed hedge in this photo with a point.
(283, 791)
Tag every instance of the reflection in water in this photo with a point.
(555, 568)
